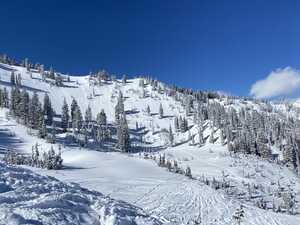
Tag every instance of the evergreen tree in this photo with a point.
(148, 110)
(200, 134)
(119, 108)
(12, 78)
(18, 81)
(1, 98)
(51, 73)
(65, 116)
(88, 115)
(124, 79)
(123, 135)
(77, 118)
(188, 172)
(171, 136)
(43, 130)
(24, 106)
(176, 123)
(161, 111)
(74, 106)
(101, 118)
(35, 112)
(5, 99)
(47, 110)
(239, 215)
(15, 97)
(211, 137)
(222, 137)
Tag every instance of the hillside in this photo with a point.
(134, 177)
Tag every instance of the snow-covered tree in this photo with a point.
(101, 118)
(65, 116)
(77, 121)
(124, 79)
(188, 172)
(12, 78)
(123, 135)
(74, 106)
(88, 115)
(119, 108)
(161, 111)
(148, 110)
(239, 214)
(176, 123)
(42, 130)
(47, 110)
(171, 136)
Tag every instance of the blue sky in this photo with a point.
(211, 45)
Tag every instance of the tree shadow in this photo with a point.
(131, 112)
(8, 141)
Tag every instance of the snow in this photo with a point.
(172, 198)
(29, 198)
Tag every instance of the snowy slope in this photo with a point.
(28, 198)
(173, 198)
(105, 97)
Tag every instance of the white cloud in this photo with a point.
(278, 83)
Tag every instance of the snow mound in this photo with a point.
(29, 198)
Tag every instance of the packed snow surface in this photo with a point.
(29, 198)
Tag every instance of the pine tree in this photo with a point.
(88, 115)
(239, 215)
(222, 137)
(141, 82)
(52, 73)
(176, 123)
(35, 112)
(42, 72)
(74, 106)
(119, 108)
(188, 172)
(47, 110)
(161, 111)
(183, 124)
(24, 106)
(43, 130)
(101, 118)
(77, 118)
(171, 136)
(15, 96)
(124, 79)
(65, 116)
(5, 100)
(1, 98)
(39, 116)
(200, 134)
(12, 78)
(211, 137)
(148, 110)
(123, 135)
(19, 80)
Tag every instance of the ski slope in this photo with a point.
(29, 198)
(172, 198)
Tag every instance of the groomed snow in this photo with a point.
(29, 198)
